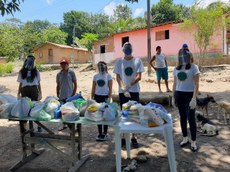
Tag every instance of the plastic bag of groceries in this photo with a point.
(93, 113)
(22, 107)
(69, 112)
(108, 113)
(6, 104)
(85, 105)
(149, 117)
(51, 105)
(39, 113)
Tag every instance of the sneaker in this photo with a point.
(134, 143)
(99, 137)
(104, 137)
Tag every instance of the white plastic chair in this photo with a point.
(127, 127)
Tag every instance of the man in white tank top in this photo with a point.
(161, 68)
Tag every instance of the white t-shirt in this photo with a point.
(128, 70)
(102, 84)
(28, 81)
(160, 61)
(185, 78)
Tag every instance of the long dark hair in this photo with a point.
(24, 72)
(29, 66)
(184, 53)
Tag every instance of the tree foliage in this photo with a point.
(9, 7)
(165, 11)
(122, 12)
(206, 21)
(88, 40)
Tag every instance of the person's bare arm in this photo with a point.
(151, 62)
(137, 79)
(174, 85)
(119, 81)
(74, 87)
(93, 89)
(19, 89)
(57, 89)
(196, 88)
(110, 88)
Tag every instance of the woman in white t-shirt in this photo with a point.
(102, 91)
(185, 89)
(29, 82)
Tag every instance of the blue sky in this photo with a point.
(52, 10)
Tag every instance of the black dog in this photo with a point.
(203, 102)
(207, 127)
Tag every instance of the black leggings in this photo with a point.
(182, 100)
(101, 99)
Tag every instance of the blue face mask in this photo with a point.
(128, 51)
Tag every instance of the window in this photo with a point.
(162, 35)
(50, 52)
(124, 40)
(40, 55)
(102, 49)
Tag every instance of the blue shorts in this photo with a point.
(162, 73)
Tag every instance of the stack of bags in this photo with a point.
(150, 115)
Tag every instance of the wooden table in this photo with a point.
(29, 138)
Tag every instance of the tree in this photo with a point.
(7, 7)
(122, 12)
(206, 21)
(88, 40)
(81, 21)
(165, 11)
(11, 44)
(54, 35)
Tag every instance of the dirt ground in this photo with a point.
(213, 154)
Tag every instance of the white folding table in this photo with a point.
(126, 127)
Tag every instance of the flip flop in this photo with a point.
(63, 128)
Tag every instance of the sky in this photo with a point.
(53, 10)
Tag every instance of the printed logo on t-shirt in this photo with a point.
(29, 79)
(182, 76)
(100, 82)
(128, 71)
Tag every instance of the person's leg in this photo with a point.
(193, 127)
(182, 105)
(123, 99)
(159, 73)
(135, 97)
(165, 77)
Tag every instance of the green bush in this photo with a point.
(42, 68)
(6, 68)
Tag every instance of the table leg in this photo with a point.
(170, 148)
(118, 148)
(128, 147)
(72, 135)
(79, 147)
(32, 145)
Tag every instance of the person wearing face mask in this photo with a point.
(185, 90)
(102, 91)
(29, 81)
(128, 72)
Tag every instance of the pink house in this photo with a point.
(169, 36)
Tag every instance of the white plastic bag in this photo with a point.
(22, 107)
(7, 102)
(93, 113)
(69, 112)
(51, 105)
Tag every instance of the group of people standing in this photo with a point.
(128, 71)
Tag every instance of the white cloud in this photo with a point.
(49, 2)
(138, 12)
(109, 9)
(205, 3)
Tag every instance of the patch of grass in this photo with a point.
(42, 68)
(6, 68)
